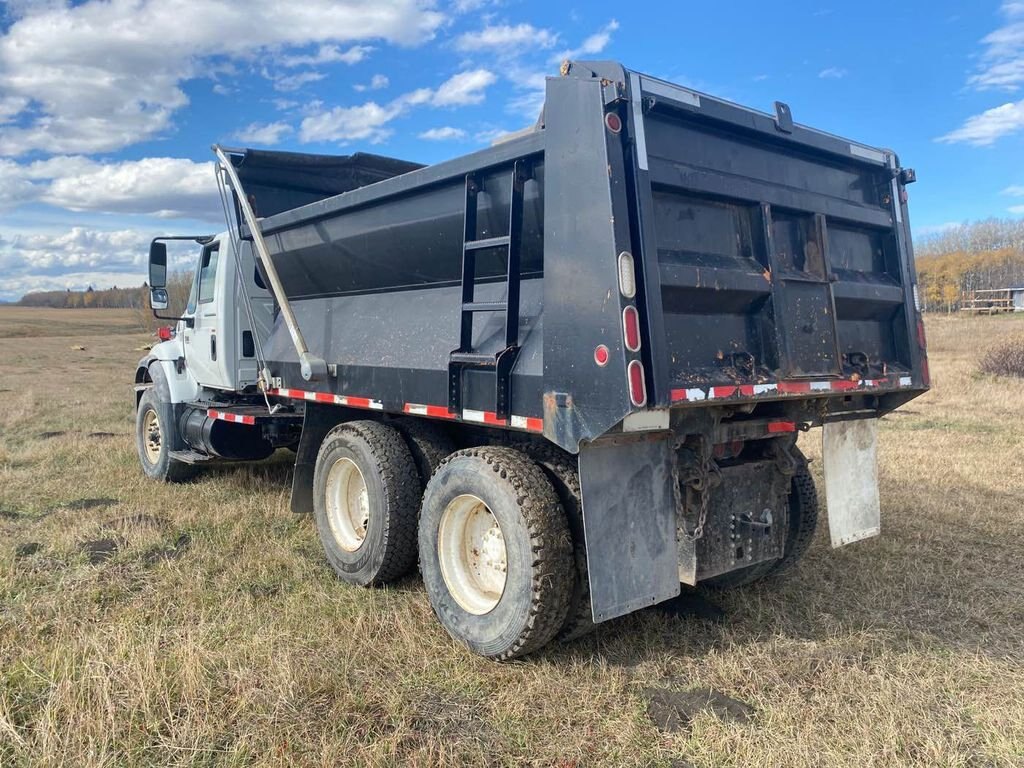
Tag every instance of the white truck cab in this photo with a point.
(214, 333)
(206, 371)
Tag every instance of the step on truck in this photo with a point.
(564, 374)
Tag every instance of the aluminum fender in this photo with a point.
(629, 522)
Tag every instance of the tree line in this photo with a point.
(954, 263)
(107, 298)
(178, 286)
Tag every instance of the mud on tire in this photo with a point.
(369, 537)
(563, 472)
(154, 438)
(533, 602)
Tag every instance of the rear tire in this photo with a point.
(429, 444)
(365, 500)
(564, 475)
(154, 425)
(495, 552)
(803, 521)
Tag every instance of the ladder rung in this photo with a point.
(487, 242)
(478, 359)
(485, 306)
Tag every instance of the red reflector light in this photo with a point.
(781, 426)
(631, 328)
(921, 340)
(613, 121)
(601, 354)
(164, 333)
(637, 385)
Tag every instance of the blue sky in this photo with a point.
(108, 109)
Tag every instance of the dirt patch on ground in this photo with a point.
(99, 550)
(673, 711)
(180, 546)
(102, 434)
(27, 549)
(50, 434)
(94, 503)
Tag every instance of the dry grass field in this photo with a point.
(143, 624)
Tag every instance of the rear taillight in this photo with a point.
(627, 275)
(631, 328)
(637, 386)
(164, 333)
(921, 340)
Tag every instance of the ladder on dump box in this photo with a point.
(465, 357)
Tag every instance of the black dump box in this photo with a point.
(655, 279)
(668, 250)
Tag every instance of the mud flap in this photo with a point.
(850, 451)
(629, 522)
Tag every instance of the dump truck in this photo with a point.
(565, 374)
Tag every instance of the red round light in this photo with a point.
(613, 121)
(601, 354)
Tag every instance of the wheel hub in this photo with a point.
(472, 554)
(151, 436)
(348, 504)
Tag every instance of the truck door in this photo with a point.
(200, 342)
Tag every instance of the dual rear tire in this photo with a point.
(495, 547)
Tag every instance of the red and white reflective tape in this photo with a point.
(235, 418)
(528, 423)
(696, 394)
(326, 397)
(434, 411)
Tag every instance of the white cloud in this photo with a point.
(363, 122)
(1014, 190)
(368, 121)
(984, 129)
(266, 134)
(328, 54)
(286, 83)
(103, 74)
(463, 88)
(443, 134)
(596, 43)
(1002, 61)
(504, 39)
(157, 186)
(377, 82)
(832, 73)
(1016, 209)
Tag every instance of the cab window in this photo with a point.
(208, 275)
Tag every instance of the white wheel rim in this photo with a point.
(348, 504)
(471, 549)
(151, 436)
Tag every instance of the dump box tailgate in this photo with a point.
(779, 254)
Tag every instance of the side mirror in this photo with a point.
(158, 270)
(158, 297)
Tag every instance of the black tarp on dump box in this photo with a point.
(280, 181)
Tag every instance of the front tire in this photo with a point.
(365, 500)
(495, 552)
(154, 425)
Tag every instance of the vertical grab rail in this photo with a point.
(311, 366)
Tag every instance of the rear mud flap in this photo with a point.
(629, 521)
(850, 451)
